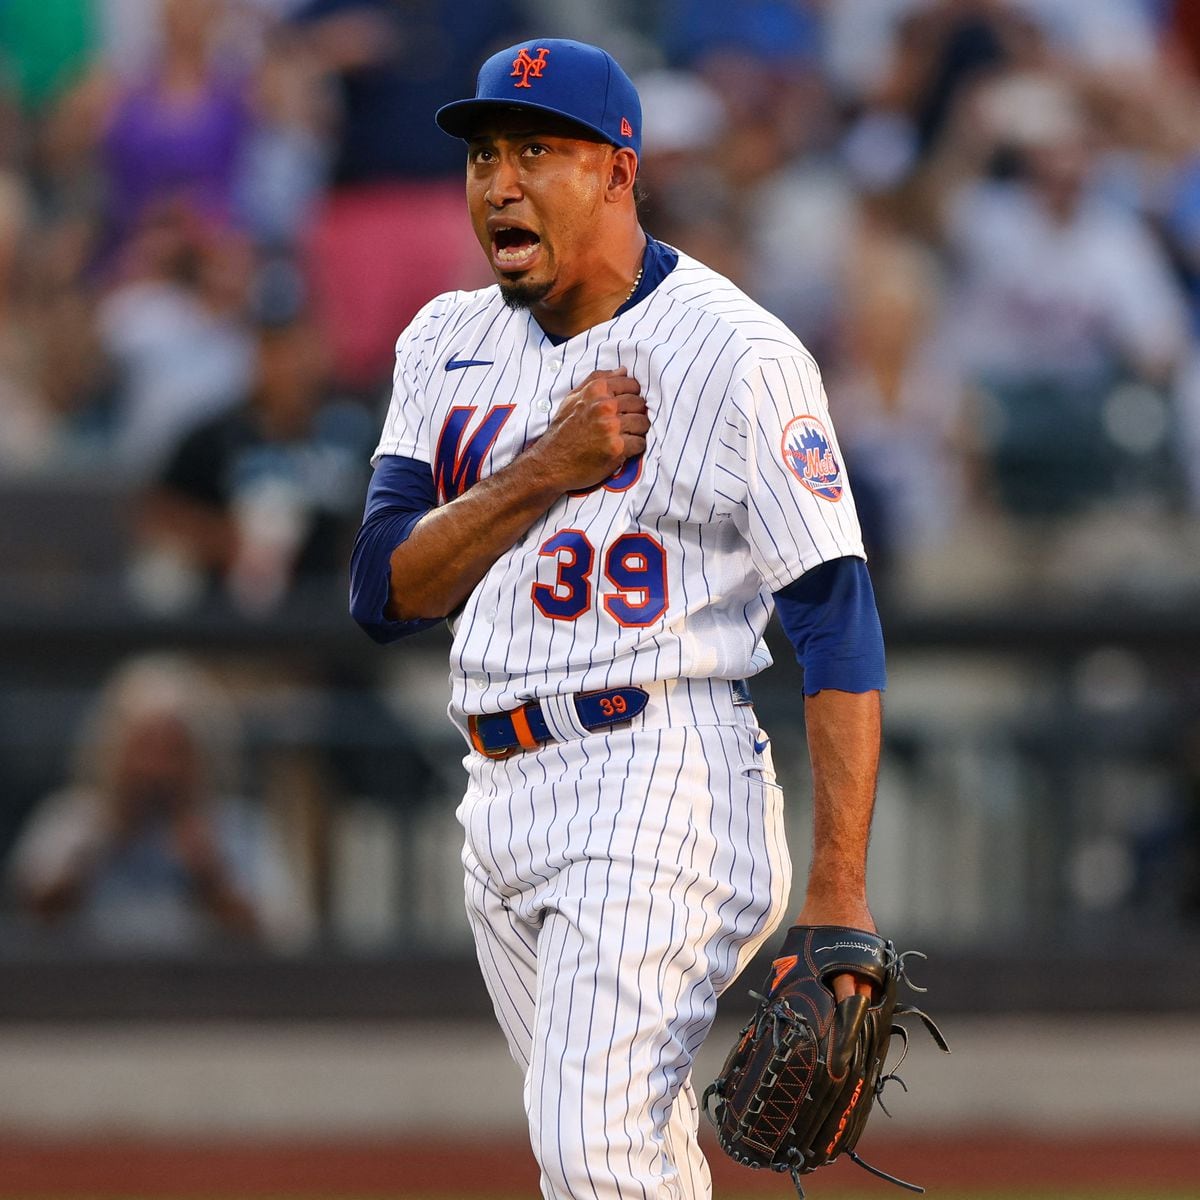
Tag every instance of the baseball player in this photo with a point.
(606, 471)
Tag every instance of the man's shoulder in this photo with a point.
(453, 306)
(440, 321)
(693, 285)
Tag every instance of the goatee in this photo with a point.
(519, 295)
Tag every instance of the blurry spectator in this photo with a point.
(800, 208)
(759, 199)
(44, 46)
(800, 218)
(266, 496)
(54, 378)
(686, 200)
(198, 162)
(131, 31)
(188, 103)
(393, 63)
(1061, 297)
(74, 372)
(391, 231)
(859, 43)
(178, 133)
(1153, 161)
(173, 328)
(139, 175)
(149, 847)
(26, 425)
(620, 26)
(1055, 280)
(934, 55)
(692, 31)
(897, 402)
(942, 50)
(286, 157)
(1101, 33)
(130, 34)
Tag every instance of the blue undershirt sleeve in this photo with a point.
(400, 494)
(830, 617)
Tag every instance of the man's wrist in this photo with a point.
(846, 906)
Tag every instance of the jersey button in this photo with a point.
(543, 405)
(555, 364)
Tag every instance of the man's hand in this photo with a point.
(854, 916)
(598, 428)
(799, 1085)
(600, 425)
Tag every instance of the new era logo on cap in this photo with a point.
(582, 83)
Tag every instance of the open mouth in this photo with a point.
(514, 248)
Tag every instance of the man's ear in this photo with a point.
(622, 173)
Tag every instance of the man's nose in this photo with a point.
(504, 186)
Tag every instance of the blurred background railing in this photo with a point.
(1037, 812)
(217, 798)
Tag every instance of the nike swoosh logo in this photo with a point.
(457, 364)
(759, 747)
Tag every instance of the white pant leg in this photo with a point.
(682, 1145)
(506, 948)
(655, 862)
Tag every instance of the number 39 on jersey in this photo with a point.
(632, 585)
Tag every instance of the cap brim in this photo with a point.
(461, 118)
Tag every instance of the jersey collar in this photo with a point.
(658, 261)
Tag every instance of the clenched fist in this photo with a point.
(599, 426)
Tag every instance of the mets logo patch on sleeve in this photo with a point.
(808, 453)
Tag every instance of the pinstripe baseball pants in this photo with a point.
(616, 884)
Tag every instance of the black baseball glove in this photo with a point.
(799, 1085)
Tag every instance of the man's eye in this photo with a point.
(536, 149)
(480, 155)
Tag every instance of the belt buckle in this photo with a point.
(477, 742)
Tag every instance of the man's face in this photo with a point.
(535, 190)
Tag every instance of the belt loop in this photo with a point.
(562, 718)
(520, 721)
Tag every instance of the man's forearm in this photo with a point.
(598, 427)
(844, 730)
(451, 548)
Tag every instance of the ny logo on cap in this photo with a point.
(525, 66)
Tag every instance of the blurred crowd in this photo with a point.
(982, 216)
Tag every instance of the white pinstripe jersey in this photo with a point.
(666, 570)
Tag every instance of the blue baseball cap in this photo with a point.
(582, 83)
